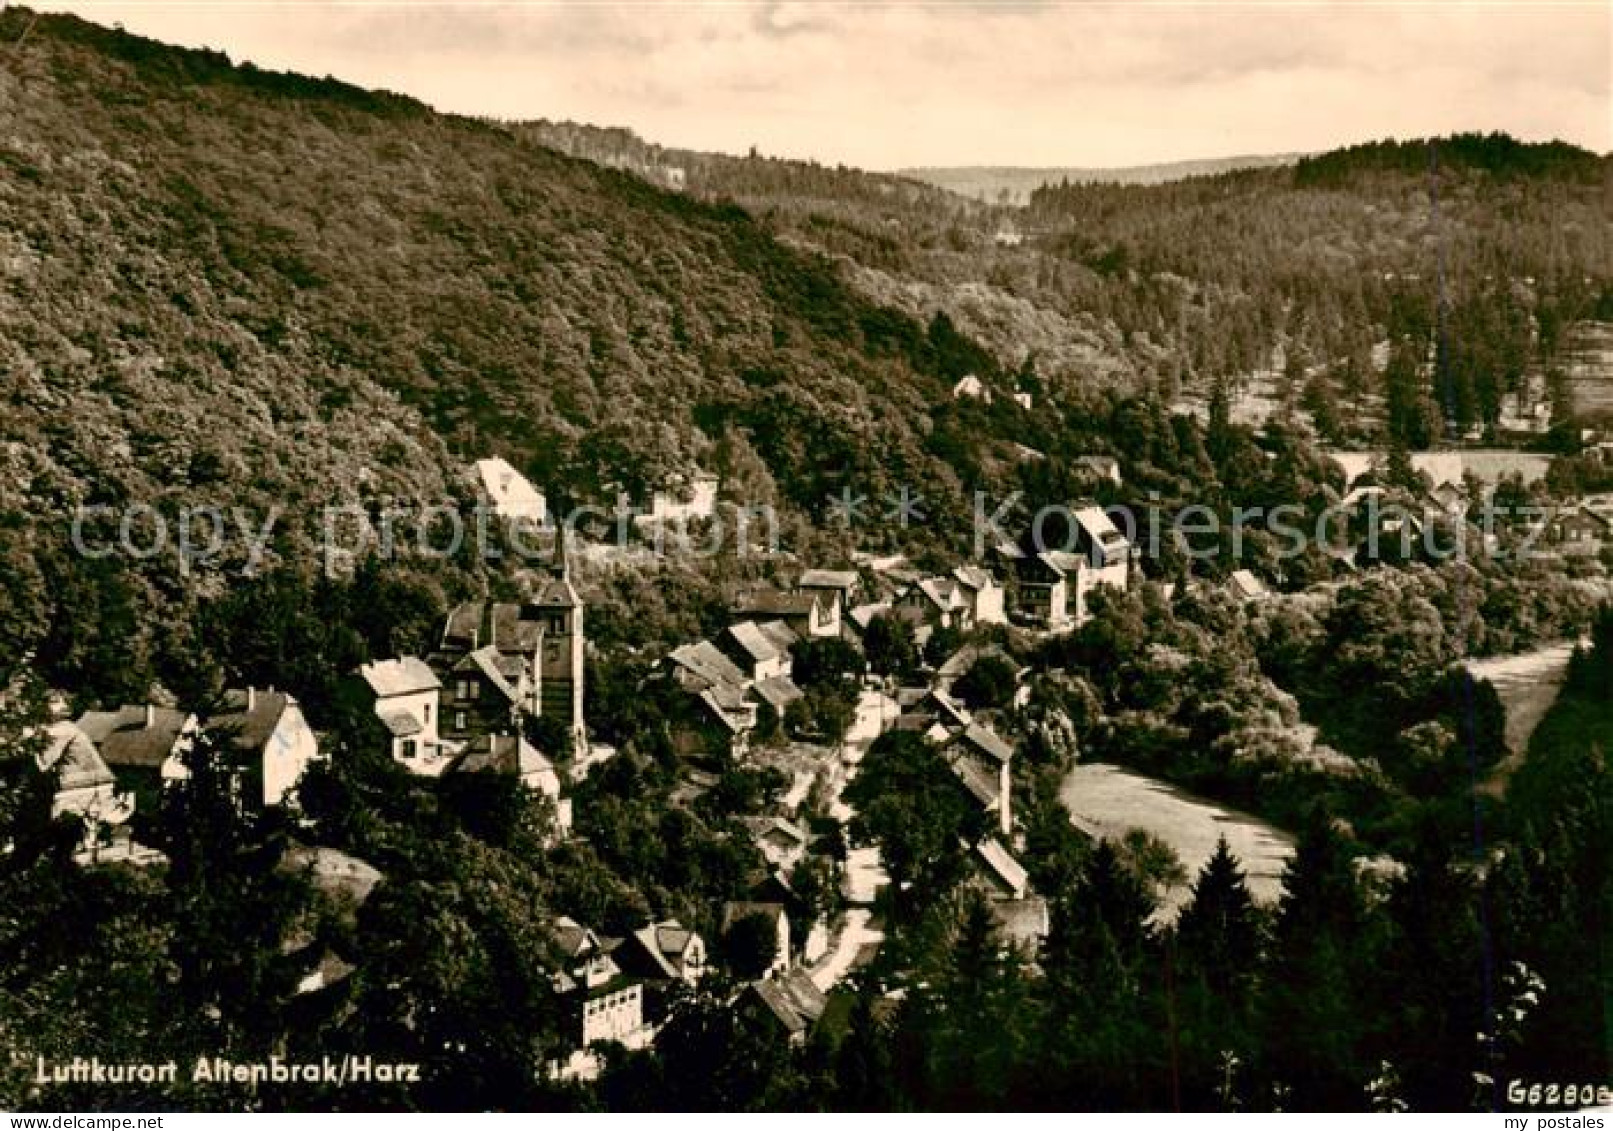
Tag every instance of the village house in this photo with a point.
(1577, 530)
(1106, 468)
(807, 612)
(781, 842)
(605, 1003)
(512, 756)
(694, 497)
(510, 494)
(837, 587)
(407, 700)
(934, 602)
(778, 920)
(982, 594)
(664, 951)
(971, 387)
(720, 685)
(790, 1001)
(85, 787)
(273, 744)
(760, 652)
(1051, 587)
(983, 763)
(144, 746)
(1245, 586)
(502, 661)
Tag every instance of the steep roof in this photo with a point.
(251, 725)
(488, 661)
(753, 641)
(510, 492)
(735, 910)
(987, 741)
(706, 662)
(974, 577)
(124, 737)
(1002, 865)
(793, 998)
(982, 784)
(404, 676)
(501, 754)
(71, 755)
(779, 692)
(781, 635)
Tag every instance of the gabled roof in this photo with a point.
(793, 998)
(501, 754)
(982, 784)
(1002, 865)
(753, 641)
(124, 738)
(1096, 524)
(981, 737)
(781, 635)
(488, 661)
(402, 724)
(974, 577)
(1061, 562)
(863, 615)
(706, 663)
(404, 676)
(843, 580)
(763, 827)
(663, 945)
(736, 910)
(251, 728)
(71, 755)
(779, 692)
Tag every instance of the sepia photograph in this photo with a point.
(806, 557)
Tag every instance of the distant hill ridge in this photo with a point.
(1012, 184)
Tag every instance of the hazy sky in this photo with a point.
(883, 85)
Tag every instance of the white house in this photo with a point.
(697, 499)
(408, 701)
(511, 494)
(972, 387)
(273, 740)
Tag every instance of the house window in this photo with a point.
(408, 748)
(427, 709)
(459, 720)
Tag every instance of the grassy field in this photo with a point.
(1108, 801)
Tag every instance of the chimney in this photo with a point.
(251, 698)
(151, 716)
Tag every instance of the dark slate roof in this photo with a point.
(250, 729)
(124, 738)
(501, 754)
(793, 998)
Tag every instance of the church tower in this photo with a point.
(560, 643)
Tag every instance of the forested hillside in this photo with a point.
(303, 252)
(1445, 276)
